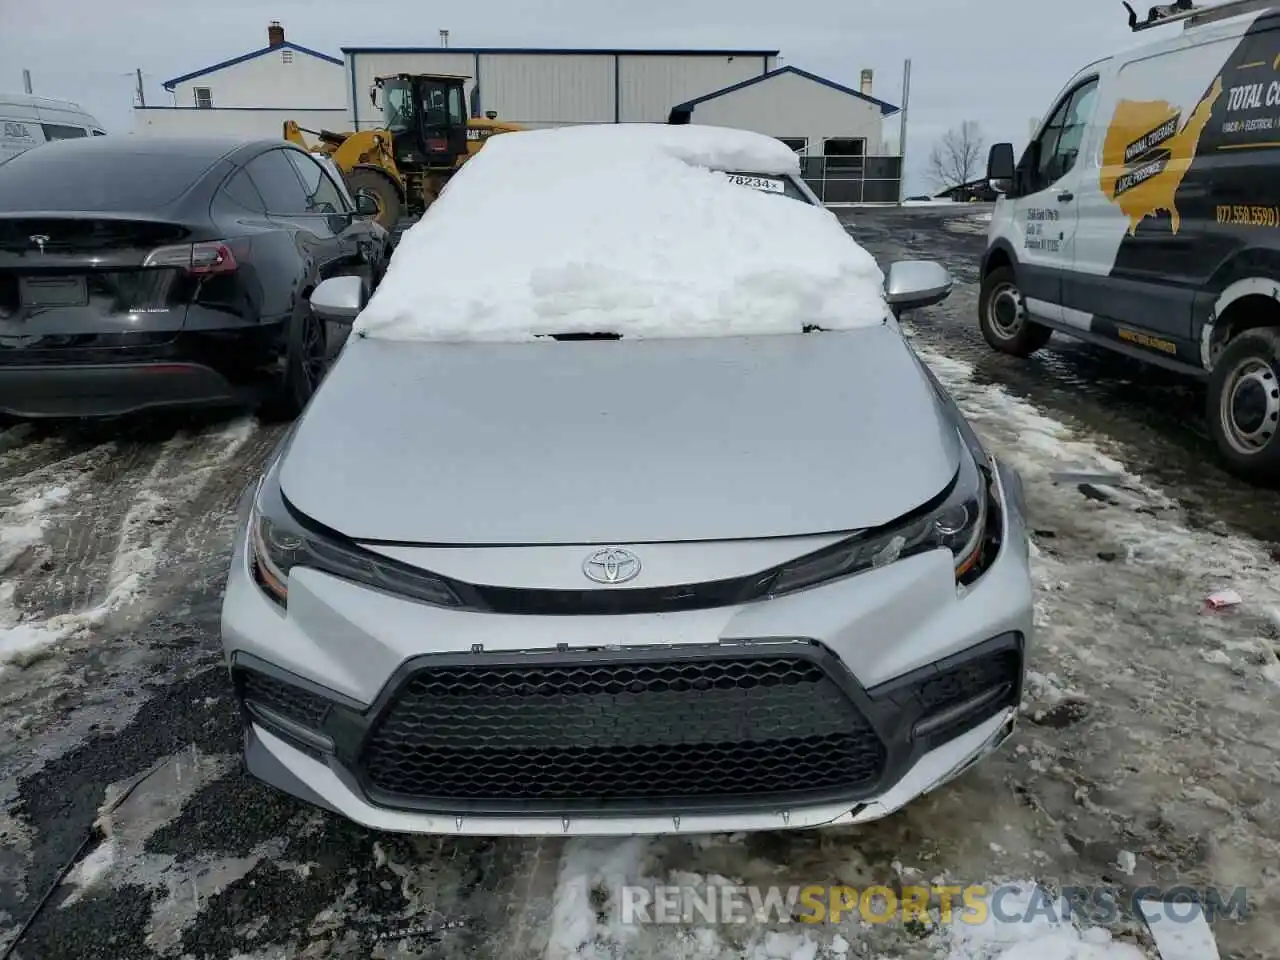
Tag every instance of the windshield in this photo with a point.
(397, 105)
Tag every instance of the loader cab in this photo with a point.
(426, 115)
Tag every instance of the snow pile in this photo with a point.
(1034, 936)
(622, 229)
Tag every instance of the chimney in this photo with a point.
(866, 82)
(275, 34)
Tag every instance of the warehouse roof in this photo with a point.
(287, 45)
(885, 108)
(608, 51)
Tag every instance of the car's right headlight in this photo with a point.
(280, 539)
(957, 521)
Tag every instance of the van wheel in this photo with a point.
(1003, 316)
(1244, 405)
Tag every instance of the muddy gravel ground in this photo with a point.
(1146, 752)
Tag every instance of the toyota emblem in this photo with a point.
(612, 565)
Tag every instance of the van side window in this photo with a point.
(1063, 136)
(59, 131)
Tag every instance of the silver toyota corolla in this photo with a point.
(628, 586)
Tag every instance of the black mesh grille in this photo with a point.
(967, 680)
(287, 700)
(621, 732)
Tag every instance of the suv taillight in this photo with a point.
(201, 259)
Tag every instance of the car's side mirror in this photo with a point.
(338, 299)
(912, 284)
(366, 206)
(1000, 167)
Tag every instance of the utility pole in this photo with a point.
(142, 94)
(26, 80)
(902, 132)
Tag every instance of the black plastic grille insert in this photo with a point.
(967, 680)
(282, 698)
(604, 733)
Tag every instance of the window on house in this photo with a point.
(286, 56)
(798, 144)
(204, 98)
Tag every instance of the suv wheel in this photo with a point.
(1002, 316)
(1244, 405)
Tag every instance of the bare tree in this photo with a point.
(956, 157)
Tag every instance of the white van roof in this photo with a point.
(1203, 23)
(24, 106)
(45, 103)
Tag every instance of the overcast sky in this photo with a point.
(998, 62)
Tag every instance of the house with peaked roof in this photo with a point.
(253, 94)
(816, 116)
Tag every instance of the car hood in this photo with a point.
(628, 441)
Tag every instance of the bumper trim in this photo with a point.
(273, 761)
(77, 390)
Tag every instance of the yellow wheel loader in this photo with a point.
(425, 137)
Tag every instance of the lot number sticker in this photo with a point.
(757, 183)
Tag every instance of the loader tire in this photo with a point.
(383, 191)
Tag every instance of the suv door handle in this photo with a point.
(1066, 196)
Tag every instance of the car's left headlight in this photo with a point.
(957, 521)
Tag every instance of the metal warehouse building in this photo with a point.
(837, 130)
(551, 87)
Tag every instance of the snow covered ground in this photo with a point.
(175, 477)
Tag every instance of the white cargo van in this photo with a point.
(1144, 216)
(27, 121)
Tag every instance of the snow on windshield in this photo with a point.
(625, 229)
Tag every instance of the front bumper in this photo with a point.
(274, 761)
(878, 633)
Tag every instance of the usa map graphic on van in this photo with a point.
(1146, 153)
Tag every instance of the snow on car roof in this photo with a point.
(626, 229)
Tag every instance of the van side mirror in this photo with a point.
(912, 284)
(1000, 167)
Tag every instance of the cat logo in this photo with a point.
(1147, 152)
